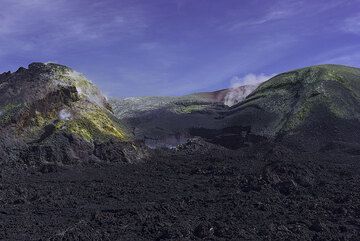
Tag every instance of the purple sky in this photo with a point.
(174, 47)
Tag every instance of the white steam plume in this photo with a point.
(64, 115)
(87, 88)
(241, 87)
(250, 79)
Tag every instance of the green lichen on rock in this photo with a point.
(104, 123)
(80, 127)
(93, 123)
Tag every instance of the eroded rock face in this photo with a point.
(55, 114)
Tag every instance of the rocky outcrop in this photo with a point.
(55, 115)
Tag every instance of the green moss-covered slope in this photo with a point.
(289, 101)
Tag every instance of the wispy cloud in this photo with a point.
(348, 59)
(352, 25)
(277, 11)
(176, 47)
(283, 10)
(270, 16)
(349, 55)
(250, 57)
(52, 23)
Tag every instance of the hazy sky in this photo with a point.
(173, 47)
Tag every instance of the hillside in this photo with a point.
(282, 164)
(300, 107)
(313, 105)
(167, 121)
(50, 113)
